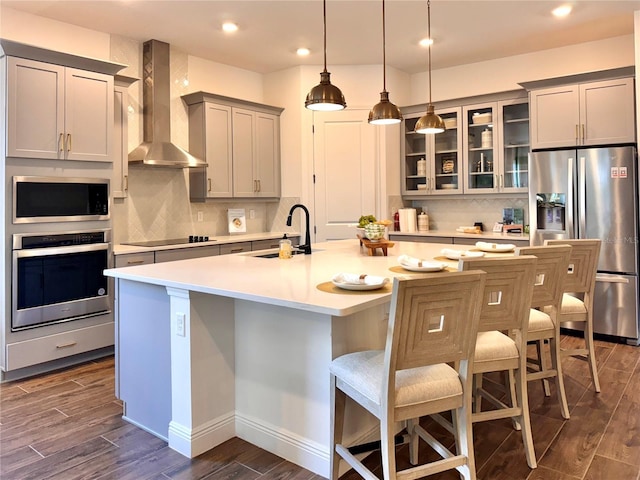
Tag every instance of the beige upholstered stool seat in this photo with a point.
(363, 372)
(572, 305)
(539, 321)
(492, 346)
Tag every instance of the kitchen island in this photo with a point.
(238, 345)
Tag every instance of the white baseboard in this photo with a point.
(192, 443)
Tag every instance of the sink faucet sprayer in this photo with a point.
(306, 248)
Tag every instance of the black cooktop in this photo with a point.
(171, 241)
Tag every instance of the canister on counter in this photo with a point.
(423, 222)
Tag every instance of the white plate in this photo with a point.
(358, 286)
(448, 186)
(495, 247)
(426, 267)
(458, 254)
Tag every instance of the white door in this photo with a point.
(346, 166)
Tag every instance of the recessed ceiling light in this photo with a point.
(425, 42)
(303, 52)
(561, 11)
(229, 27)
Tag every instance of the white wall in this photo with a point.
(504, 74)
(42, 32)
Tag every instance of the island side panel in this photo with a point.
(282, 377)
(143, 355)
(202, 371)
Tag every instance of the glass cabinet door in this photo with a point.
(446, 166)
(480, 153)
(415, 151)
(515, 145)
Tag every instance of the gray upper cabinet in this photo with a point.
(240, 141)
(583, 114)
(57, 112)
(210, 129)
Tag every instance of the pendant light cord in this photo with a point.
(324, 16)
(430, 42)
(384, 52)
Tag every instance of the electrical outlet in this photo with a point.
(181, 318)
(200, 216)
(252, 214)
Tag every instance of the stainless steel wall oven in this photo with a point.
(59, 199)
(57, 277)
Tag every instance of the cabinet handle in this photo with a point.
(208, 184)
(68, 142)
(126, 182)
(135, 262)
(259, 186)
(237, 250)
(61, 142)
(583, 136)
(577, 135)
(67, 345)
(501, 181)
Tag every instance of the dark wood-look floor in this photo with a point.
(67, 425)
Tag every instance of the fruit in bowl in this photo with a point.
(374, 231)
(366, 220)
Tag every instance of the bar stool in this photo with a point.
(501, 345)
(577, 299)
(551, 269)
(433, 321)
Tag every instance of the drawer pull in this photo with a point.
(135, 262)
(61, 142)
(68, 142)
(67, 345)
(237, 250)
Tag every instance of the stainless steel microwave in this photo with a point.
(60, 199)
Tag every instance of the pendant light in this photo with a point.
(385, 112)
(430, 122)
(324, 96)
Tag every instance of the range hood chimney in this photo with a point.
(156, 149)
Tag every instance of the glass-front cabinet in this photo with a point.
(496, 147)
(484, 149)
(514, 139)
(432, 163)
(480, 144)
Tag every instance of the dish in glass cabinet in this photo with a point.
(448, 186)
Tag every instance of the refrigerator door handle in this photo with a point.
(611, 279)
(571, 208)
(582, 198)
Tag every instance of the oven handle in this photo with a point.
(45, 252)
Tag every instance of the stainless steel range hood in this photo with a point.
(156, 149)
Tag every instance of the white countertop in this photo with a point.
(121, 249)
(289, 283)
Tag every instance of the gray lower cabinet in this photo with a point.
(472, 241)
(419, 238)
(131, 259)
(186, 253)
(228, 248)
(272, 243)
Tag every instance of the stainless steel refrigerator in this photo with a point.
(593, 193)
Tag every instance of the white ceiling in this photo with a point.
(270, 31)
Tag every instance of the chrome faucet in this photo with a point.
(306, 248)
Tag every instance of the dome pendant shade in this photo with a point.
(430, 122)
(325, 96)
(385, 112)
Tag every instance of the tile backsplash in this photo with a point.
(450, 213)
(158, 207)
